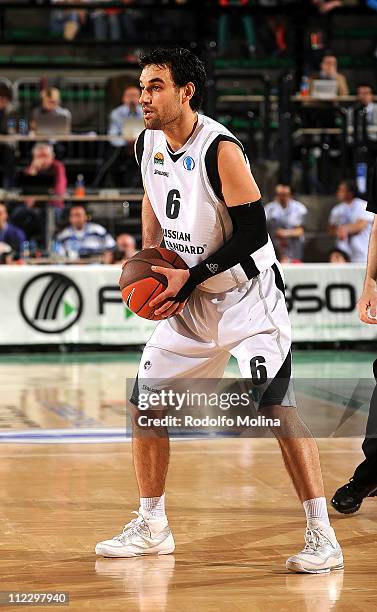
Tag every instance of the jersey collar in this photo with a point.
(176, 155)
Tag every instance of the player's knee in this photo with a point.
(147, 422)
(284, 421)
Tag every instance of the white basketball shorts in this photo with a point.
(250, 322)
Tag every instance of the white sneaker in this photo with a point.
(144, 535)
(321, 554)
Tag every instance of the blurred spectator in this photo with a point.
(285, 221)
(8, 119)
(365, 103)
(337, 256)
(129, 109)
(50, 103)
(125, 120)
(267, 38)
(125, 248)
(10, 234)
(82, 238)
(350, 223)
(112, 24)
(30, 220)
(321, 113)
(67, 22)
(45, 166)
(5, 254)
(329, 71)
(224, 24)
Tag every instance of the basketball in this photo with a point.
(139, 284)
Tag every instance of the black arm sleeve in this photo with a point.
(249, 235)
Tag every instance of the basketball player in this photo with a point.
(348, 498)
(230, 301)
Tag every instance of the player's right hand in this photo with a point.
(367, 305)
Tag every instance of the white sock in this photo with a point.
(153, 506)
(316, 508)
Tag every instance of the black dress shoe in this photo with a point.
(348, 498)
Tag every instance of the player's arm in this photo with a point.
(237, 183)
(242, 197)
(150, 227)
(368, 300)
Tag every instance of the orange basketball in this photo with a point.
(139, 284)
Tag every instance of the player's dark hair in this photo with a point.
(185, 67)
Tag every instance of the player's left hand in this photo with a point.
(367, 305)
(176, 279)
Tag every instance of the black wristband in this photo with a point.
(186, 290)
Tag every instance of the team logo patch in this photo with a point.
(188, 163)
(147, 365)
(159, 159)
(213, 268)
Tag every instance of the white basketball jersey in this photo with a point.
(195, 221)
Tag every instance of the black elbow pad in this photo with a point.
(249, 222)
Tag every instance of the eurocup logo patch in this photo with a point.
(159, 159)
(51, 302)
(188, 163)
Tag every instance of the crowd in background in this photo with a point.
(44, 173)
(349, 223)
(41, 167)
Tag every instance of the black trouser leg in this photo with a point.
(366, 472)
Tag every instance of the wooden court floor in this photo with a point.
(232, 510)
